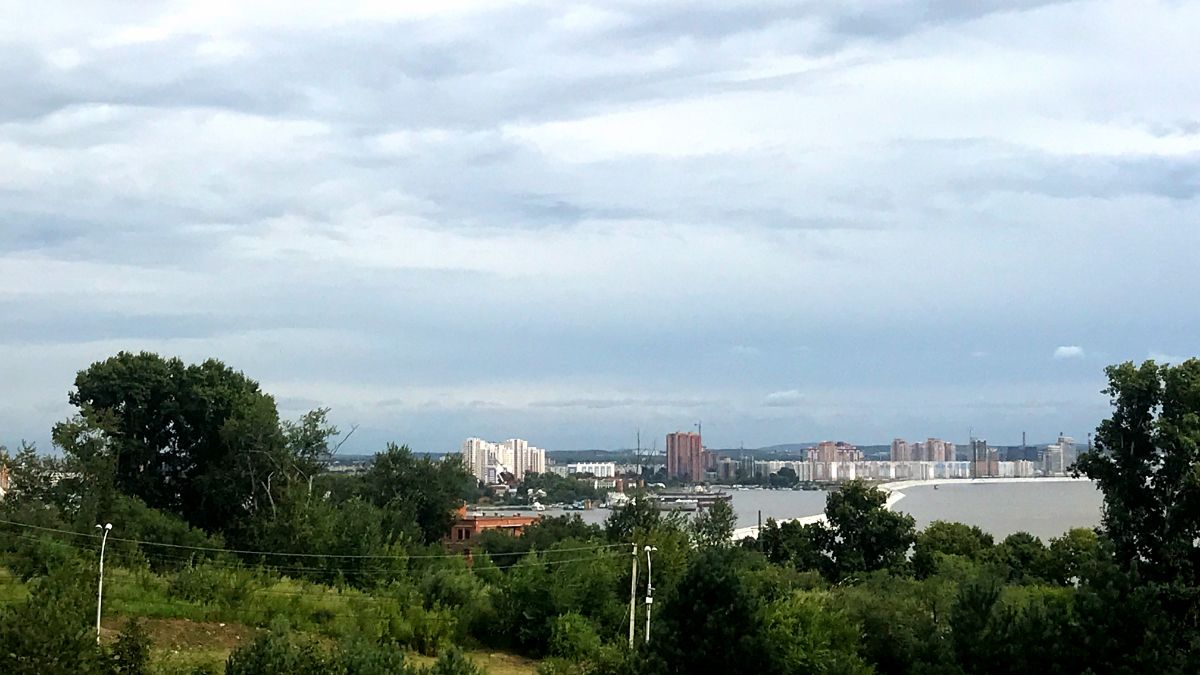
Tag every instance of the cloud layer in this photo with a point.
(790, 220)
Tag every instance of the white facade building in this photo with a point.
(488, 461)
(597, 469)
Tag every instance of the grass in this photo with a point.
(197, 618)
(495, 663)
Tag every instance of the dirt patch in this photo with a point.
(183, 634)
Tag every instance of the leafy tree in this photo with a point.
(972, 622)
(903, 622)
(1146, 461)
(714, 623)
(424, 491)
(714, 527)
(1025, 557)
(805, 546)
(942, 538)
(1071, 554)
(200, 441)
(634, 519)
(866, 535)
(804, 635)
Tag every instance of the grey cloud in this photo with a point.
(600, 403)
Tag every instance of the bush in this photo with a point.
(52, 632)
(211, 583)
(131, 653)
(574, 637)
(275, 653)
(454, 662)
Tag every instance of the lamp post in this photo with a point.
(633, 594)
(100, 589)
(649, 589)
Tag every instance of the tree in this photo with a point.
(713, 624)
(943, 539)
(1025, 557)
(200, 441)
(714, 527)
(804, 546)
(1070, 555)
(634, 519)
(866, 536)
(424, 491)
(803, 634)
(1146, 461)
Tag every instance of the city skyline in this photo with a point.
(790, 220)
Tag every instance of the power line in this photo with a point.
(342, 556)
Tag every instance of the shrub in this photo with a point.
(454, 662)
(131, 652)
(573, 637)
(212, 583)
(276, 653)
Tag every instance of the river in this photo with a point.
(1043, 508)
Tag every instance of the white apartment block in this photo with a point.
(597, 469)
(487, 461)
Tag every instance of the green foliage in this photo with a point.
(715, 623)
(633, 520)
(1072, 554)
(551, 488)
(1146, 461)
(131, 652)
(418, 490)
(866, 536)
(1025, 558)
(52, 632)
(199, 441)
(942, 539)
(573, 637)
(805, 547)
(276, 653)
(803, 634)
(714, 527)
(454, 662)
(903, 623)
(216, 584)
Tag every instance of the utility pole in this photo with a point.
(641, 469)
(633, 594)
(649, 590)
(100, 589)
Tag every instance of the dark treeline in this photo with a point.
(223, 512)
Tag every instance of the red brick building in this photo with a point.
(469, 526)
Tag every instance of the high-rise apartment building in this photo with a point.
(488, 461)
(1069, 451)
(685, 456)
(985, 461)
(932, 450)
(829, 451)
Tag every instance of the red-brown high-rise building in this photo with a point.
(685, 456)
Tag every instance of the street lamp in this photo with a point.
(649, 589)
(633, 594)
(100, 589)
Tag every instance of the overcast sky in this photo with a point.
(791, 220)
